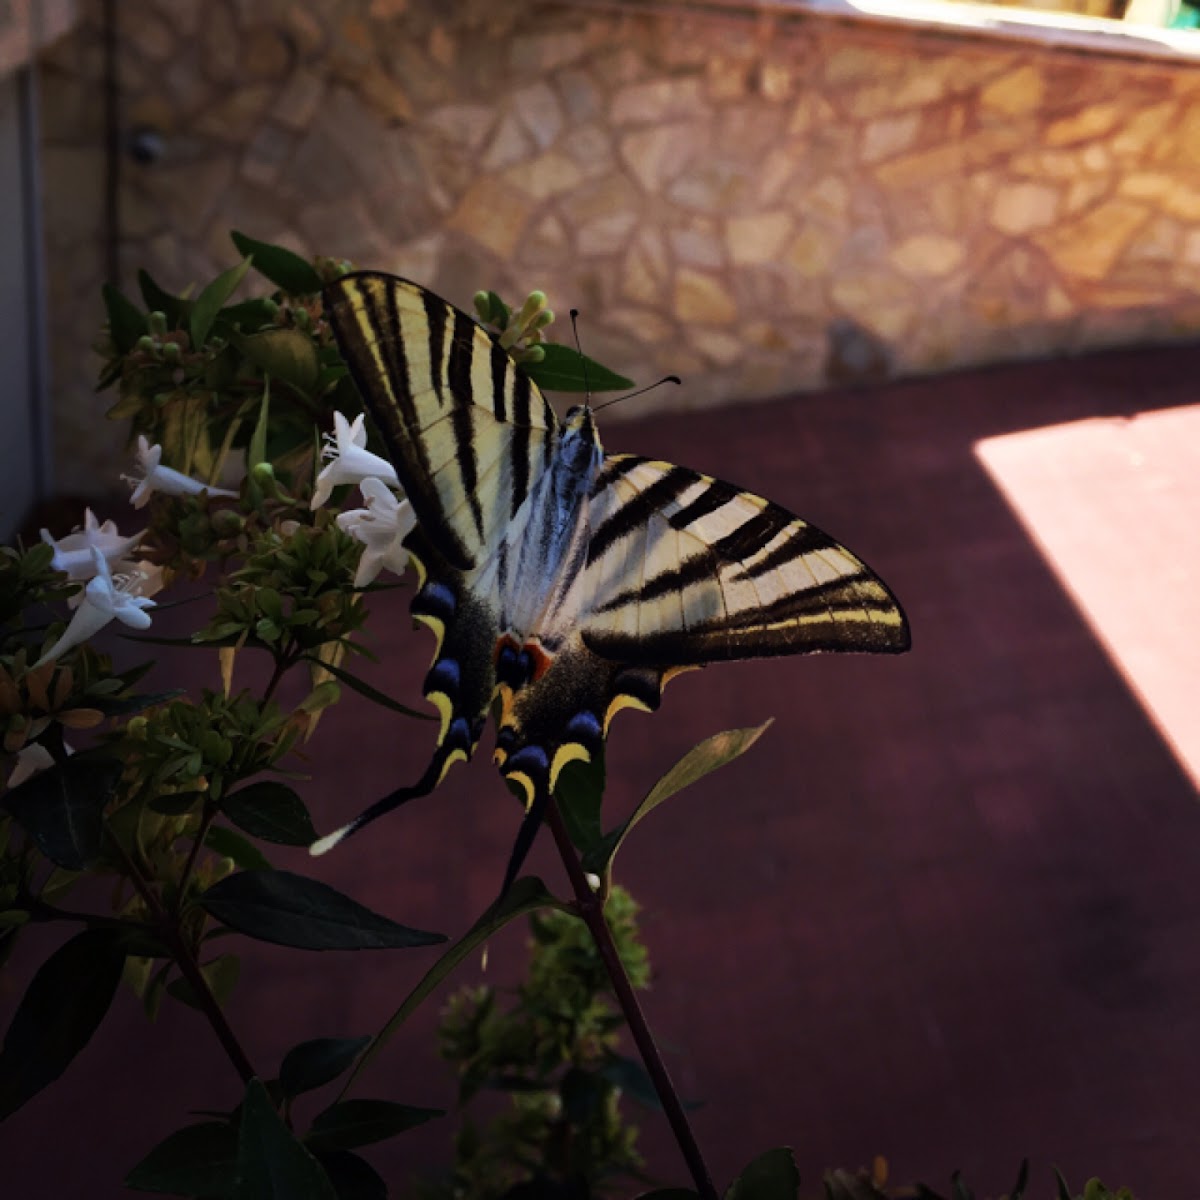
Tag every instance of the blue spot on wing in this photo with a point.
(528, 758)
(443, 676)
(584, 726)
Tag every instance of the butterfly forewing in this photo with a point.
(466, 430)
(709, 572)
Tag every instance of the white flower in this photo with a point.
(157, 478)
(349, 460)
(381, 527)
(30, 760)
(107, 596)
(72, 553)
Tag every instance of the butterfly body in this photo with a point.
(564, 584)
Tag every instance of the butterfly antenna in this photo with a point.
(587, 387)
(641, 391)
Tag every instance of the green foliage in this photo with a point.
(551, 1049)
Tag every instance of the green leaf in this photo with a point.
(287, 354)
(198, 1160)
(159, 300)
(285, 269)
(63, 1006)
(523, 897)
(317, 1062)
(564, 369)
(175, 804)
(293, 910)
(579, 793)
(257, 451)
(1018, 1189)
(353, 1178)
(221, 975)
(771, 1176)
(701, 760)
(126, 322)
(1064, 1192)
(351, 1123)
(232, 845)
(272, 1164)
(62, 808)
(365, 689)
(247, 316)
(210, 301)
(271, 811)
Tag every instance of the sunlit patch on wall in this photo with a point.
(1114, 506)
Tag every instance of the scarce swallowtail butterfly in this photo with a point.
(561, 582)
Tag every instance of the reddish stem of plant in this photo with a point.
(591, 909)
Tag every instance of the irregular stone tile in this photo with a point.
(547, 175)
(647, 325)
(236, 117)
(510, 144)
(420, 258)
(1018, 208)
(266, 53)
(609, 194)
(702, 299)
(775, 82)
(605, 235)
(538, 109)
(298, 102)
(548, 243)
(151, 35)
(581, 96)
(699, 246)
(1088, 247)
(918, 90)
(885, 137)
(658, 155)
(591, 146)
(878, 299)
(1016, 93)
(1083, 193)
(722, 349)
(1094, 121)
(443, 47)
(658, 100)
(384, 96)
(466, 125)
(929, 255)
(1168, 193)
(219, 44)
(492, 213)
(812, 252)
(541, 53)
(1181, 145)
(1144, 129)
(777, 170)
(757, 239)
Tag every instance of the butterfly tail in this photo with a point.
(526, 835)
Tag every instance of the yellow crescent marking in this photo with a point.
(500, 756)
(453, 757)
(623, 701)
(570, 752)
(439, 630)
(526, 784)
(445, 707)
(671, 672)
(422, 573)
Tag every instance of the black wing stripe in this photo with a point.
(716, 495)
(752, 535)
(805, 540)
(435, 314)
(639, 510)
(700, 568)
(614, 468)
(458, 376)
(499, 382)
(520, 439)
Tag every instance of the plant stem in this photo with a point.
(591, 909)
(167, 925)
(206, 819)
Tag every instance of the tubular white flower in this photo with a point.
(157, 478)
(72, 553)
(381, 527)
(106, 597)
(349, 460)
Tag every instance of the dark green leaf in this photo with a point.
(287, 354)
(292, 910)
(351, 1123)
(210, 301)
(353, 1178)
(257, 451)
(961, 1191)
(126, 322)
(62, 1008)
(1018, 1188)
(771, 1176)
(317, 1062)
(272, 1164)
(523, 897)
(221, 975)
(1064, 1192)
(198, 1160)
(579, 793)
(175, 804)
(564, 369)
(62, 808)
(701, 760)
(159, 300)
(232, 845)
(123, 706)
(271, 811)
(285, 269)
(247, 316)
(365, 689)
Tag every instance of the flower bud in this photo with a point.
(157, 322)
(147, 344)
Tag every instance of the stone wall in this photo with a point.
(761, 204)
